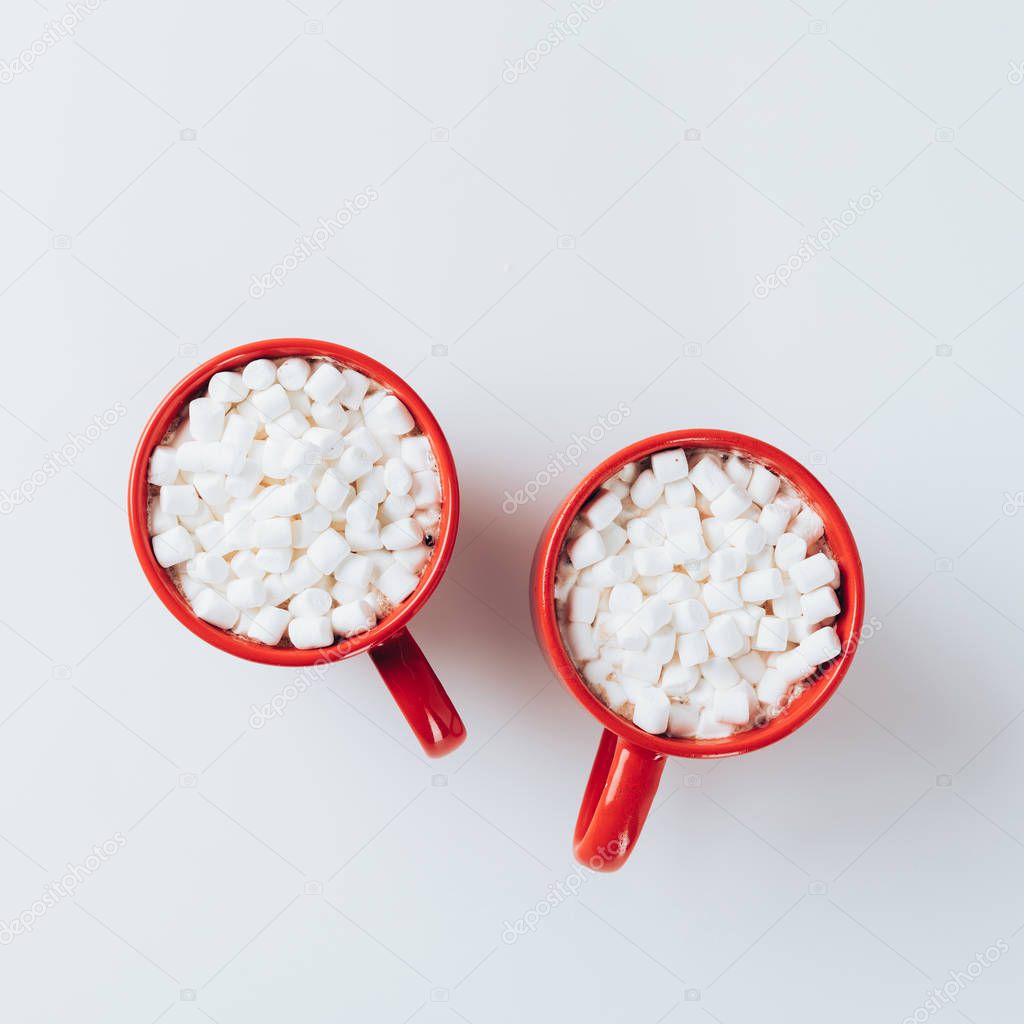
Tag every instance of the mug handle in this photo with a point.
(617, 800)
(419, 694)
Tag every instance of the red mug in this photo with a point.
(405, 671)
(630, 762)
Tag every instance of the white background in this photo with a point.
(541, 250)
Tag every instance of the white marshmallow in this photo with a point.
(390, 416)
(272, 402)
(693, 649)
(247, 592)
(582, 604)
(163, 466)
(356, 386)
(652, 561)
(750, 667)
(402, 535)
(709, 478)
(179, 500)
(325, 384)
(792, 665)
(727, 564)
(646, 490)
(763, 485)
(721, 596)
(311, 632)
(205, 419)
(745, 535)
(772, 634)
(653, 614)
(773, 688)
(650, 711)
(353, 618)
(293, 498)
(310, 603)
(293, 373)
(275, 560)
(331, 492)
(821, 646)
(680, 494)
(720, 673)
(625, 598)
(811, 573)
(761, 585)
(736, 705)
(689, 616)
(808, 524)
(173, 546)
(397, 583)
(259, 374)
(819, 604)
(678, 680)
(212, 608)
(397, 476)
(426, 489)
(774, 519)
(228, 388)
(683, 721)
(275, 532)
(730, 503)
(417, 454)
(790, 549)
(328, 551)
(669, 466)
(363, 538)
(268, 625)
(738, 470)
(586, 549)
(602, 510)
(724, 636)
(787, 604)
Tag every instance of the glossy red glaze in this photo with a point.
(435, 721)
(630, 761)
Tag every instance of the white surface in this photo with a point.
(540, 251)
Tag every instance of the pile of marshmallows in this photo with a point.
(697, 602)
(296, 496)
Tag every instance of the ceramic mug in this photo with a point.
(630, 762)
(405, 671)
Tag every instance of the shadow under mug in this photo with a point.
(629, 762)
(405, 671)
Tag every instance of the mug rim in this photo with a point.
(840, 540)
(171, 407)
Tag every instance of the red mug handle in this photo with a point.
(618, 798)
(419, 694)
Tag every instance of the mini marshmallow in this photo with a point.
(310, 632)
(248, 592)
(416, 453)
(310, 603)
(397, 583)
(693, 649)
(792, 665)
(163, 466)
(652, 561)
(772, 634)
(650, 711)
(582, 604)
(789, 549)
(602, 510)
(669, 466)
(328, 551)
(676, 586)
(160, 521)
(653, 614)
(730, 503)
(678, 680)
(293, 373)
(581, 641)
(586, 549)
(402, 535)
(268, 625)
(724, 636)
(761, 585)
(720, 673)
(816, 571)
(721, 596)
(275, 560)
(709, 478)
(238, 432)
(331, 492)
(645, 532)
(808, 525)
(259, 374)
(426, 489)
(243, 565)
(173, 546)
(683, 721)
(625, 598)
(799, 630)
(353, 618)
(726, 564)
(646, 490)
(750, 666)
(763, 485)
(680, 494)
(773, 687)
(819, 604)
(390, 416)
(179, 499)
(272, 402)
(774, 519)
(329, 414)
(738, 470)
(821, 646)
(325, 384)
(275, 532)
(205, 419)
(641, 665)
(689, 616)
(614, 538)
(745, 535)
(735, 705)
(363, 538)
(398, 477)
(399, 506)
(293, 498)
(356, 386)
(787, 605)
(212, 608)
(228, 387)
